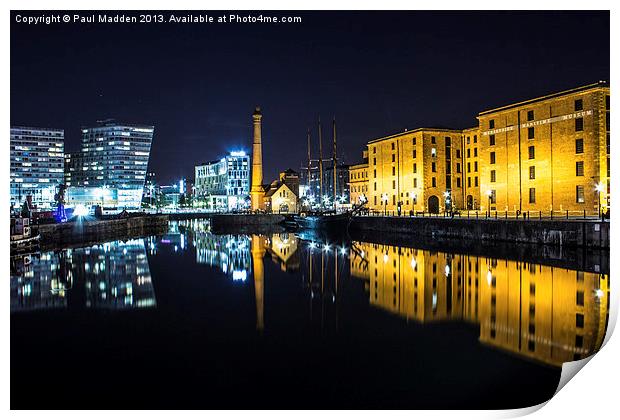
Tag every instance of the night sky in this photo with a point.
(377, 72)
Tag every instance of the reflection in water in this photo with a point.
(545, 313)
(113, 275)
(548, 314)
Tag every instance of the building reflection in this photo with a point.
(113, 275)
(549, 314)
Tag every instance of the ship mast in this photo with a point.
(335, 162)
(320, 164)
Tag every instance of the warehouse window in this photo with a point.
(393, 145)
(415, 182)
(491, 124)
(530, 115)
(580, 197)
(493, 197)
(492, 140)
(415, 168)
(475, 139)
(579, 168)
(458, 182)
(493, 175)
(531, 152)
(414, 141)
(532, 172)
(530, 133)
(492, 157)
(393, 157)
(458, 168)
(433, 182)
(414, 153)
(578, 124)
(468, 181)
(475, 181)
(458, 154)
(579, 146)
(578, 104)
(475, 151)
(394, 184)
(532, 195)
(433, 167)
(433, 140)
(476, 166)
(393, 170)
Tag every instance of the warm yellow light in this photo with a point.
(599, 187)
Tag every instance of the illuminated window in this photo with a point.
(530, 115)
(433, 152)
(532, 195)
(532, 172)
(579, 168)
(578, 124)
(579, 146)
(580, 197)
(578, 104)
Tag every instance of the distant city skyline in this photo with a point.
(376, 72)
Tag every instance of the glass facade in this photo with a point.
(111, 167)
(223, 184)
(36, 165)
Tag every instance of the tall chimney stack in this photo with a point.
(257, 192)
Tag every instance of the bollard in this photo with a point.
(540, 215)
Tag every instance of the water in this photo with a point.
(196, 320)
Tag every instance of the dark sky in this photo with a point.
(377, 72)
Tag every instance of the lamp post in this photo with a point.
(599, 188)
(447, 201)
(489, 195)
(384, 197)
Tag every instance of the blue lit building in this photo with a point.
(110, 169)
(36, 165)
(223, 185)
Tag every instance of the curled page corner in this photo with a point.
(570, 369)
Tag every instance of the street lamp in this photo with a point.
(489, 195)
(447, 201)
(384, 198)
(599, 188)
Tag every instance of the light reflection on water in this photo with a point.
(543, 313)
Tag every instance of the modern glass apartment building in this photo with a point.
(224, 184)
(110, 169)
(36, 165)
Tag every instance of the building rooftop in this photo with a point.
(416, 130)
(596, 85)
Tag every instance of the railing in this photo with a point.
(494, 214)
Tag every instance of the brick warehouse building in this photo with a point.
(543, 154)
